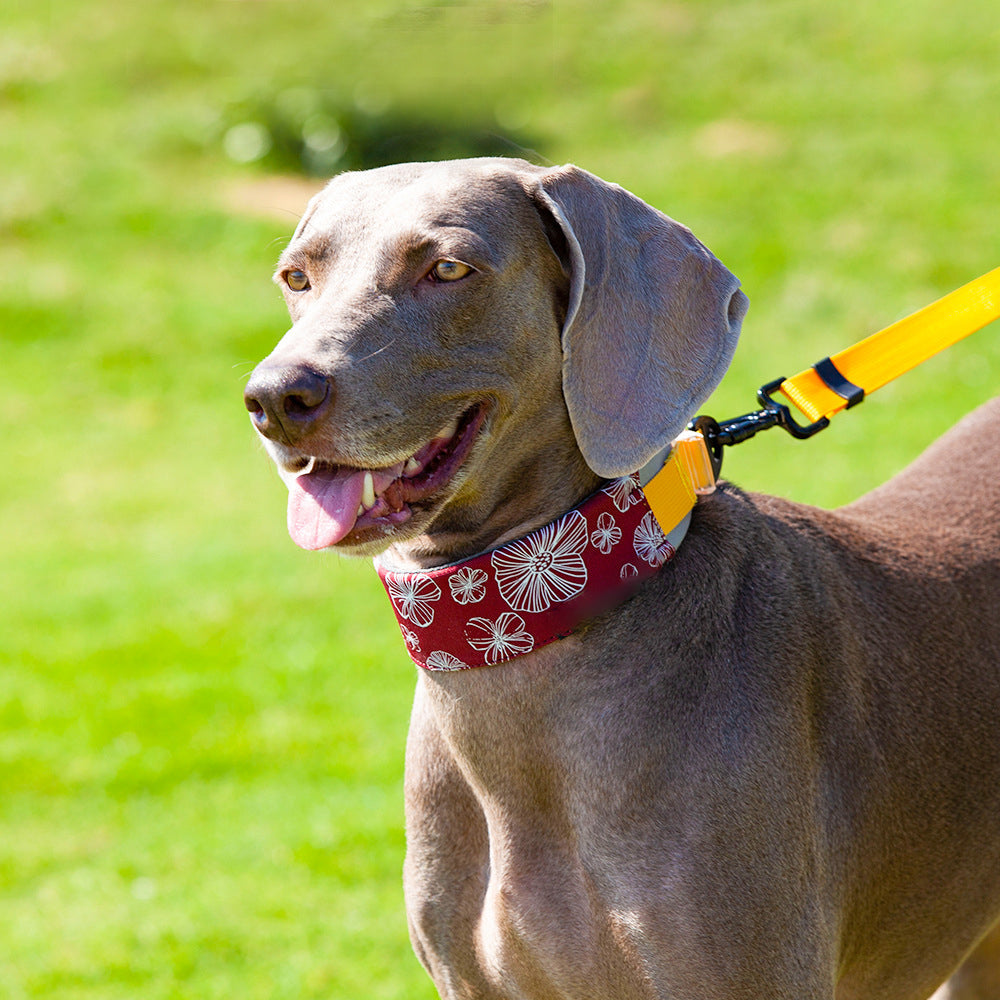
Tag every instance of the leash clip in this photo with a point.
(729, 432)
(783, 415)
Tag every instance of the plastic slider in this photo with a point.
(834, 380)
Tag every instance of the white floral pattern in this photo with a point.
(526, 593)
(440, 660)
(624, 492)
(503, 639)
(468, 586)
(650, 543)
(545, 567)
(607, 535)
(413, 597)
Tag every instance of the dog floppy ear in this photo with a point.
(651, 325)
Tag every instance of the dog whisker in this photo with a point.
(384, 347)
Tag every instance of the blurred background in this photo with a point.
(202, 727)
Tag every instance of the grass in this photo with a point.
(201, 728)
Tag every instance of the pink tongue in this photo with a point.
(323, 507)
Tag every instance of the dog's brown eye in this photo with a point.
(297, 281)
(450, 270)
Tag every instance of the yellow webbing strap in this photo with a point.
(879, 358)
(672, 492)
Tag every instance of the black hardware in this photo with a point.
(785, 418)
(729, 432)
(834, 380)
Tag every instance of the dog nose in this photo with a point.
(285, 402)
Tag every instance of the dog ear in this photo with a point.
(651, 324)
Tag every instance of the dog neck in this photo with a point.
(526, 593)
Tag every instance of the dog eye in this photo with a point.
(297, 281)
(449, 270)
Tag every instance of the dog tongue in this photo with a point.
(323, 506)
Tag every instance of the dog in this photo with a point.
(772, 769)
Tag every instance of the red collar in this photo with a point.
(529, 592)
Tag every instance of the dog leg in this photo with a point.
(447, 863)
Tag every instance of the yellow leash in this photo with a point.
(880, 358)
(821, 391)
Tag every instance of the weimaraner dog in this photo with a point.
(770, 772)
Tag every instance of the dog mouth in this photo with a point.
(329, 504)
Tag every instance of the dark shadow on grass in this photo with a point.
(307, 131)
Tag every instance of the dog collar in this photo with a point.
(527, 593)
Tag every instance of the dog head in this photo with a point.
(477, 342)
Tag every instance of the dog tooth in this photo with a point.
(361, 509)
(307, 468)
(368, 493)
(449, 430)
(412, 467)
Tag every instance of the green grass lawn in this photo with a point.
(201, 727)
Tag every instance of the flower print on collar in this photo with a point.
(534, 590)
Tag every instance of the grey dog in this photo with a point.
(773, 772)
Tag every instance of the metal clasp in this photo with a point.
(729, 432)
(784, 414)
